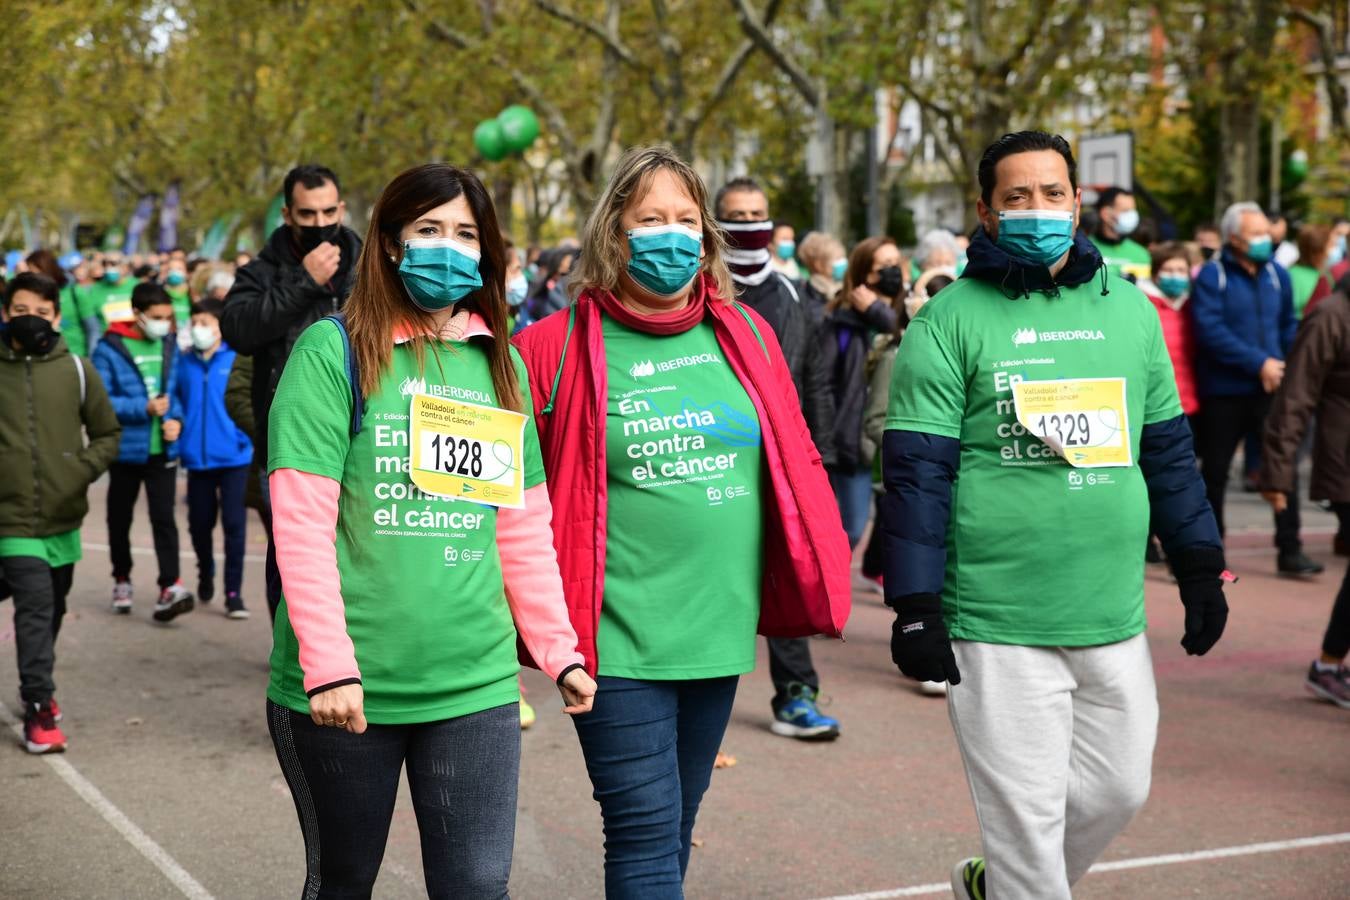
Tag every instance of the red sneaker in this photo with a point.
(40, 732)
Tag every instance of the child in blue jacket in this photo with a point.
(216, 454)
(137, 361)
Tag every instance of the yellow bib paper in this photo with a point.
(467, 451)
(1084, 420)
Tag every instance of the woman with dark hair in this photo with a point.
(692, 509)
(863, 308)
(412, 526)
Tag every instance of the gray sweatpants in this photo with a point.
(1058, 747)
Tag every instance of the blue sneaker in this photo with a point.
(799, 718)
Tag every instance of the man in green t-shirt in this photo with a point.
(1034, 438)
(1118, 219)
(106, 302)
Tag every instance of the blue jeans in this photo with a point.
(212, 494)
(650, 748)
(853, 493)
(462, 774)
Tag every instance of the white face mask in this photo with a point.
(155, 329)
(203, 337)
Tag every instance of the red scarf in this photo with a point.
(675, 322)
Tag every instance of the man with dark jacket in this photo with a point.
(1242, 307)
(49, 400)
(742, 211)
(1317, 384)
(1034, 433)
(305, 272)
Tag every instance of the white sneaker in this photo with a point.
(174, 600)
(121, 598)
(933, 688)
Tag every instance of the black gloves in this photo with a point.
(920, 646)
(1199, 572)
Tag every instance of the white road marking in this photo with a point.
(1143, 862)
(153, 852)
(183, 554)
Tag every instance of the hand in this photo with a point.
(1199, 573)
(920, 646)
(340, 707)
(863, 297)
(157, 407)
(172, 429)
(322, 262)
(578, 692)
(1277, 500)
(1272, 373)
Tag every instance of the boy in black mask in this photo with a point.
(48, 470)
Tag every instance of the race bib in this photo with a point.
(118, 311)
(466, 451)
(1084, 420)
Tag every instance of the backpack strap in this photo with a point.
(79, 370)
(1223, 275)
(1274, 277)
(353, 371)
(557, 376)
(753, 327)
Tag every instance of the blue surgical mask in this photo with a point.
(1174, 287)
(785, 249)
(1337, 252)
(515, 290)
(112, 276)
(1259, 250)
(961, 262)
(663, 259)
(1127, 222)
(1040, 236)
(439, 272)
(839, 269)
(175, 278)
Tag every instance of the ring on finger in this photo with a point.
(342, 724)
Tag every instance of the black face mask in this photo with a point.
(311, 236)
(1207, 253)
(34, 334)
(890, 282)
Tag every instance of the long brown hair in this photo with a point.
(859, 267)
(380, 303)
(603, 241)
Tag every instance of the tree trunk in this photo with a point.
(503, 189)
(1244, 72)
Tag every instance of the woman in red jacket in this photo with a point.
(690, 506)
(1169, 289)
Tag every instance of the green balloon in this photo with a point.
(488, 138)
(1296, 166)
(519, 126)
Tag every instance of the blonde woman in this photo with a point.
(690, 507)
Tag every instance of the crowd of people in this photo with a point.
(621, 459)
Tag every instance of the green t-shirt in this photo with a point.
(72, 329)
(684, 553)
(1304, 280)
(1126, 258)
(182, 306)
(108, 302)
(421, 578)
(1038, 553)
(149, 359)
(57, 549)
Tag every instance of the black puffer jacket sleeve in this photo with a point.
(818, 398)
(265, 301)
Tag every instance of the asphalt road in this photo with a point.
(171, 788)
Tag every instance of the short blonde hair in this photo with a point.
(602, 240)
(819, 248)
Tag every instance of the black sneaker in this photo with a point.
(234, 607)
(1296, 564)
(206, 588)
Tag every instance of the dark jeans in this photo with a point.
(213, 492)
(650, 748)
(270, 571)
(462, 774)
(124, 486)
(1224, 422)
(1336, 642)
(30, 581)
(853, 493)
(789, 664)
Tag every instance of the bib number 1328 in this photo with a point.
(456, 455)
